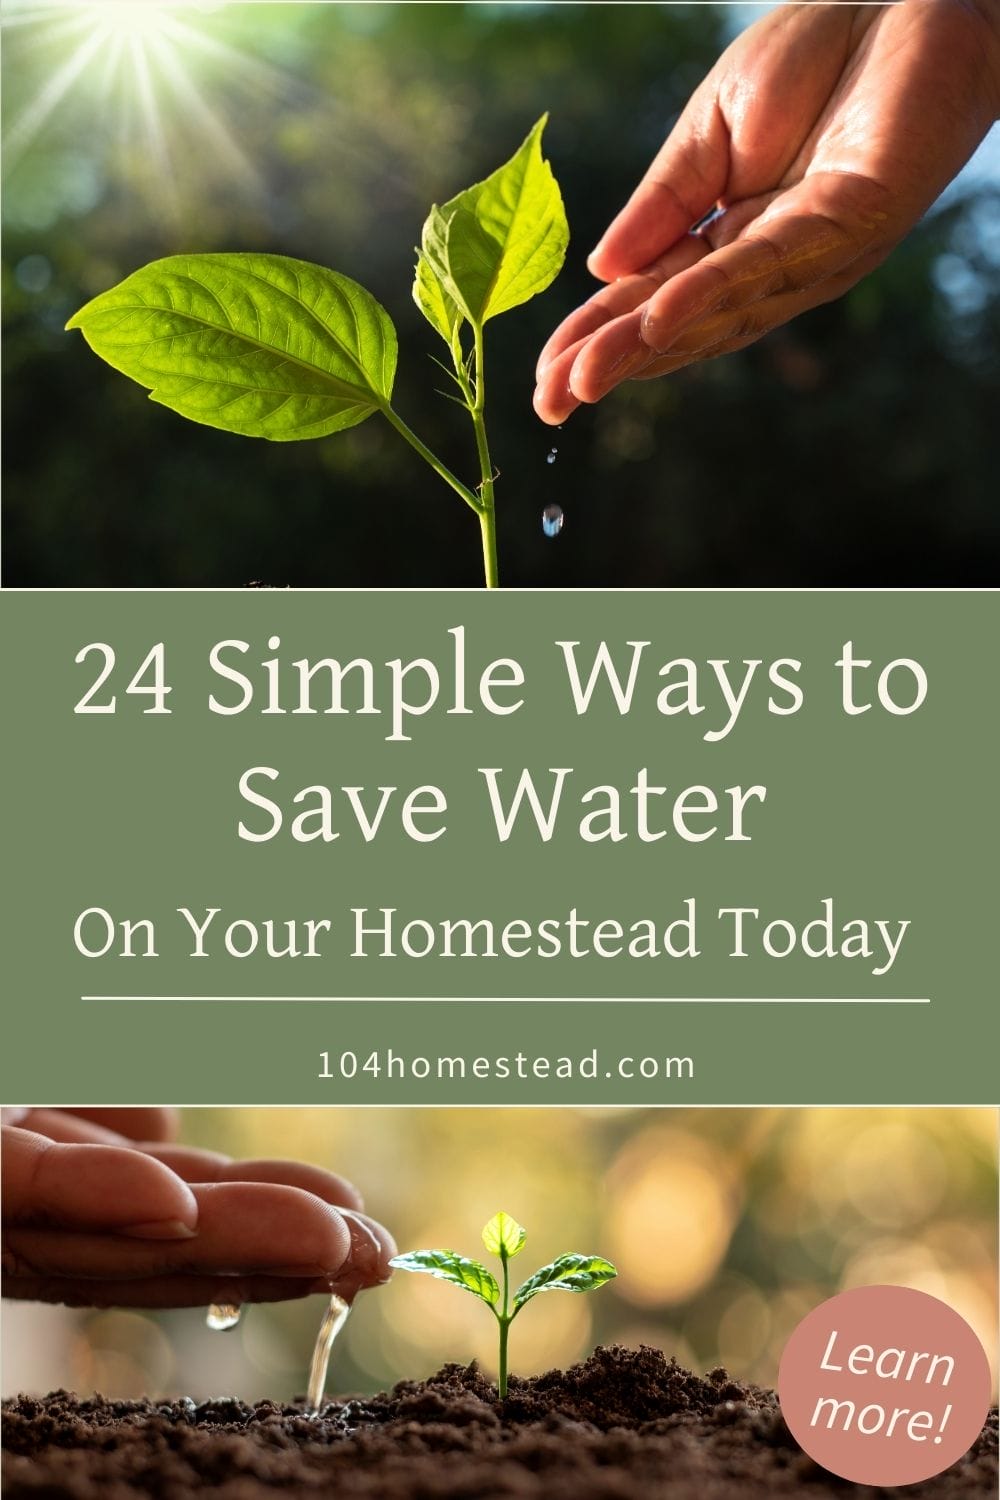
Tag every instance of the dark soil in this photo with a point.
(626, 1425)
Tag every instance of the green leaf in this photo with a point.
(257, 344)
(436, 304)
(504, 1235)
(503, 240)
(447, 1265)
(569, 1273)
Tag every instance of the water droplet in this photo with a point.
(551, 456)
(552, 520)
(223, 1315)
(333, 1321)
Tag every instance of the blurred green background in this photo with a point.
(726, 1225)
(857, 447)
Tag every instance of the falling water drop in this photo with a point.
(552, 520)
(551, 455)
(333, 1321)
(223, 1315)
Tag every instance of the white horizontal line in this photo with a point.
(505, 1000)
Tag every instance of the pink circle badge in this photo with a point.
(884, 1385)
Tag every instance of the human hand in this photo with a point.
(824, 133)
(101, 1209)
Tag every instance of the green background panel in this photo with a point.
(891, 817)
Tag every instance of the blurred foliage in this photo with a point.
(857, 447)
(727, 1226)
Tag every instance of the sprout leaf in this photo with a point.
(447, 1265)
(501, 241)
(568, 1273)
(504, 1236)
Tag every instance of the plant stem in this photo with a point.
(504, 1321)
(488, 528)
(449, 478)
(487, 514)
(504, 1327)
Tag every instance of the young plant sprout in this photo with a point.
(504, 1237)
(276, 348)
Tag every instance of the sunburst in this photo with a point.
(146, 54)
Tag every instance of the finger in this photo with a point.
(686, 177)
(669, 364)
(623, 355)
(739, 290)
(616, 353)
(210, 1166)
(723, 331)
(553, 400)
(135, 1122)
(369, 1264)
(610, 302)
(92, 1187)
(163, 1291)
(242, 1227)
(108, 1127)
(191, 1289)
(620, 297)
(783, 252)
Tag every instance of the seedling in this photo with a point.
(505, 1238)
(276, 348)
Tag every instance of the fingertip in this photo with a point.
(597, 264)
(540, 403)
(553, 400)
(591, 380)
(372, 1248)
(554, 410)
(614, 256)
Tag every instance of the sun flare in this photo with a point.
(129, 20)
(153, 72)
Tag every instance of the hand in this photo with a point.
(824, 133)
(101, 1209)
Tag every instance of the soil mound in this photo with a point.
(627, 1424)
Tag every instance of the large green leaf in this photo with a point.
(504, 239)
(447, 1265)
(569, 1273)
(504, 1236)
(256, 344)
